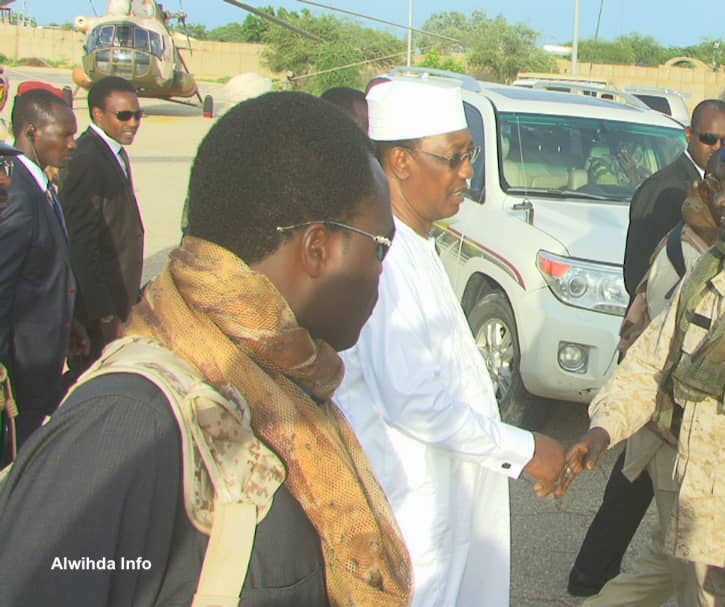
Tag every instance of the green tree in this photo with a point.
(453, 24)
(635, 49)
(494, 48)
(254, 27)
(603, 51)
(705, 51)
(231, 32)
(339, 60)
(434, 60)
(647, 51)
(194, 30)
(630, 49)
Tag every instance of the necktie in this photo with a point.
(124, 156)
(57, 209)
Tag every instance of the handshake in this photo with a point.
(555, 470)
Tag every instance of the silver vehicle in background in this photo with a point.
(669, 102)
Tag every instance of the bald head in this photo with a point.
(706, 133)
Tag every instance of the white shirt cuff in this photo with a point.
(516, 448)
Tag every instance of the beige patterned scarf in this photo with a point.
(234, 326)
(696, 210)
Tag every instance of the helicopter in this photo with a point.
(133, 40)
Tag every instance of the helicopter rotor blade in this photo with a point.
(274, 19)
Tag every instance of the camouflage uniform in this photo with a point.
(696, 529)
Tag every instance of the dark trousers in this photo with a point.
(611, 531)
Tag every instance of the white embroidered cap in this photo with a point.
(404, 109)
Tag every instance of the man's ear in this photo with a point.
(315, 249)
(398, 159)
(688, 133)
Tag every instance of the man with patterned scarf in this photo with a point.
(289, 221)
(673, 380)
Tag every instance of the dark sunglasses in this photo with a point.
(126, 115)
(711, 138)
(382, 243)
(456, 160)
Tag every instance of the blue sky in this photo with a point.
(672, 23)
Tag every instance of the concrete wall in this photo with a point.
(54, 45)
(209, 60)
(217, 59)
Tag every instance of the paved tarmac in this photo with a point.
(546, 534)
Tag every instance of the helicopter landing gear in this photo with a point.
(208, 106)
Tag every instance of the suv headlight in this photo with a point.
(584, 284)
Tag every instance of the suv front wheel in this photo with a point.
(494, 329)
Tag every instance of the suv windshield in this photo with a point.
(587, 157)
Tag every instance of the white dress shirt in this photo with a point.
(38, 174)
(419, 397)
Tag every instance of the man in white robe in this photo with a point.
(416, 389)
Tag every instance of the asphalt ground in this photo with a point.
(546, 533)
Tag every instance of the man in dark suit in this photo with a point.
(37, 288)
(657, 203)
(104, 223)
(655, 209)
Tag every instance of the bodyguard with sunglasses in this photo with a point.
(655, 209)
(104, 223)
(656, 205)
(416, 389)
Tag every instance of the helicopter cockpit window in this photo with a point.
(124, 36)
(105, 36)
(140, 39)
(92, 41)
(157, 44)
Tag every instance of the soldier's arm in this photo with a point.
(627, 401)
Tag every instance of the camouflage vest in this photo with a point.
(695, 368)
(230, 477)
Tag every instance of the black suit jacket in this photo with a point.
(655, 209)
(106, 233)
(37, 293)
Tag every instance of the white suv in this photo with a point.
(667, 101)
(535, 252)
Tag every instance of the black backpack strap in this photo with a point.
(674, 249)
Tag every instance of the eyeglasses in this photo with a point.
(383, 242)
(126, 115)
(711, 138)
(457, 159)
